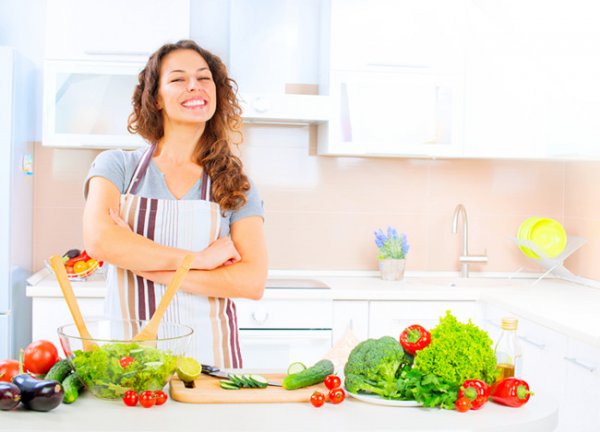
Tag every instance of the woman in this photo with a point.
(146, 209)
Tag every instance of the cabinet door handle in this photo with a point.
(260, 317)
(579, 363)
(539, 345)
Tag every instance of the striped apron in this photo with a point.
(185, 224)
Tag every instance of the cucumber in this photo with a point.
(59, 371)
(313, 375)
(247, 381)
(72, 386)
(259, 381)
(295, 368)
(228, 385)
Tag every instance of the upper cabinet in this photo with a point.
(94, 52)
(532, 87)
(276, 59)
(113, 29)
(395, 78)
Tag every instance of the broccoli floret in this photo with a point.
(374, 366)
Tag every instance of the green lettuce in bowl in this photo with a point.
(117, 363)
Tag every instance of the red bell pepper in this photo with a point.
(414, 338)
(512, 392)
(477, 391)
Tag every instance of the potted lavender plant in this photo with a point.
(392, 253)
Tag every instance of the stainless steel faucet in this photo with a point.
(465, 258)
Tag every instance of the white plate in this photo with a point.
(378, 400)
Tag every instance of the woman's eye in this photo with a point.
(177, 79)
(204, 78)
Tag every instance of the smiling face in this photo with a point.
(186, 93)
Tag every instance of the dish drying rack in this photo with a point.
(553, 265)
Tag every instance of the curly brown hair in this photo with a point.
(213, 150)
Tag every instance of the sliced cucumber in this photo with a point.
(259, 380)
(295, 368)
(249, 382)
(237, 380)
(228, 385)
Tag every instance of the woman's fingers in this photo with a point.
(118, 219)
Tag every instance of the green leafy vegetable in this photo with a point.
(428, 389)
(374, 366)
(101, 370)
(458, 352)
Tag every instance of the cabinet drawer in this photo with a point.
(284, 314)
(391, 317)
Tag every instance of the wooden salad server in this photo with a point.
(57, 265)
(150, 331)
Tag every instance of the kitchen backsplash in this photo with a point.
(321, 211)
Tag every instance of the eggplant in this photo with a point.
(39, 395)
(10, 396)
(72, 253)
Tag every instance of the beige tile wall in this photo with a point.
(321, 211)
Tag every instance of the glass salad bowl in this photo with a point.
(111, 362)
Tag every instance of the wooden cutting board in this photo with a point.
(207, 391)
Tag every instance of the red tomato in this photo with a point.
(40, 356)
(463, 404)
(130, 398)
(337, 395)
(147, 399)
(333, 381)
(161, 397)
(317, 399)
(126, 361)
(8, 369)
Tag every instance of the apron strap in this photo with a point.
(140, 170)
(206, 194)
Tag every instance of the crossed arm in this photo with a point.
(235, 266)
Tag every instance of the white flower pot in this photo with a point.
(392, 269)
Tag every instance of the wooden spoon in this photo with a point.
(65, 285)
(150, 331)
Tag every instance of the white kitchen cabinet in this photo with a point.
(277, 332)
(395, 78)
(531, 87)
(87, 104)
(49, 313)
(391, 317)
(350, 315)
(113, 29)
(543, 350)
(579, 407)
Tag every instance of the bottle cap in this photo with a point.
(509, 323)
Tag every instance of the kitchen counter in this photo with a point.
(557, 304)
(540, 414)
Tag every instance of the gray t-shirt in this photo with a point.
(118, 166)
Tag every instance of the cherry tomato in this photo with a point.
(333, 381)
(337, 395)
(8, 369)
(463, 404)
(147, 399)
(317, 399)
(80, 267)
(125, 361)
(70, 270)
(39, 357)
(161, 397)
(130, 398)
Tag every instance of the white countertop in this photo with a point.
(540, 414)
(557, 304)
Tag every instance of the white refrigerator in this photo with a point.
(17, 111)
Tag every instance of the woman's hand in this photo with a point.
(118, 219)
(219, 253)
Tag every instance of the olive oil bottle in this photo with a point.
(508, 351)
